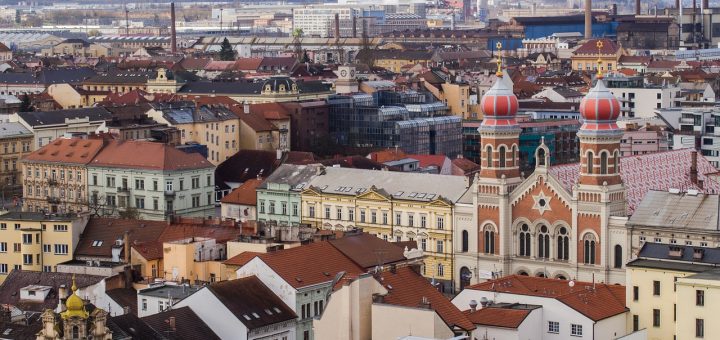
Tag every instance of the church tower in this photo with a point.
(599, 192)
(500, 169)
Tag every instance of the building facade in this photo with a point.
(16, 141)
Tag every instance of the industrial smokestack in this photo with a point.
(677, 3)
(337, 26)
(173, 33)
(705, 4)
(588, 19)
(637, 7)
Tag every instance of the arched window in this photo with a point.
(440, 270)
(543, 243)
(489, 238)
(616, 162)
(618, 256)
(589, 162)
(589, 249)
(501, 156)
(524, 240)
(513, 155)
(465, 241)
(541, 157)
(603, 163)
(523, 273)
(563, 245)
(489, 152)
(465, 277)
(75, 332)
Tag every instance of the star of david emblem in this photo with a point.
(542, 202)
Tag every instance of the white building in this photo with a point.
(638, 99)
(155, 179)
(161, 297)
(567, 309)
(319, 21)
(242, 309)
(49, 125)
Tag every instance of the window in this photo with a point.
(440, 244)
(60, 227)
(699, 328)
(636, 323)
(27, 238)
(489, 240)
(182, 184)
(169, 185)
(295, 209)
(524, 242)
(465, 241)
(423, 244)
(327, 212)
(373, 216)
(283, 206)
(589, 249)
(636, 293)
(140, 184)
(656, 288)
(351, 214)
(156, 204)
(161, 305)
(262, 206)
(441, 222)
(144, 304)
(699, 297)
(3, 247)
(563, 245)
(589, 162)
(27, 259)
(576, 330)
(140, 203)
(553, 327)
(489, 156)
(603, 163)
(338, 212)
(110, 182)
(271, 208)
(618, 256)
(362, 215)
(411, 220)
(195, 201)
(440, 270)
(656, 318)
(17, 226)
(311, 211)
(398, 218)
(3, 226)
(61, 249)
(543, 243)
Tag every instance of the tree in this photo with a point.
(226, 51)
(94, 33)
(25, 105)
(129, 213)
(98, 206)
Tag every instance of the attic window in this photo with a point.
(256, 315)
(268, 312)
(246, 317)
(277, 310)
(8, 331)
(97, 243)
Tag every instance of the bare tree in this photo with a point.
(98, 206)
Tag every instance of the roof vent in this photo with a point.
(674, 191)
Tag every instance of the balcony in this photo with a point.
(169, 193)
(123, 189)
(687, 120)
(52, 182)
(53, 200)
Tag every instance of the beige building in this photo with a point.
(36, 241)
(70, 97)
(585, 57)
(56, 176)
(164, 82)
(195, 259)
(264, 127)
(456, 95)
(216, 127)
(16, 141)
(276, 89)
(670, 291)
(394, 206)
(77, 48)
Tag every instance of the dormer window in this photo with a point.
(281, 88)
(268, 88)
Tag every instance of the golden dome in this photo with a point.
(74, 304)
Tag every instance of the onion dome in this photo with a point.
(499, 102)
(75, 305)
(600, 108)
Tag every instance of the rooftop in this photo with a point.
(245, 194)
(67, 150)
(147, 156)
(167, 291)
(45, 118)
(188, 326)
(501, 315)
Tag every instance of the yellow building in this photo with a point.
(16, 141)
(164, 82)
(37, 242)
(55, 176)
(585, 57)
(216, 127)
(394, 206)
(457, 96)
(194, 259)
(395, 59)
(70, 97)
(671, 289)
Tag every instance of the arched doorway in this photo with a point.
(465, 277)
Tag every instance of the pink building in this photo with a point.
(644, 140)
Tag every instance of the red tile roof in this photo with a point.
(149, 250)
(408, 288)
(598, 303)
(300, 266)
(271, 111)
(4, 48)
(498, 316)
(62, 150)
(590, 47)
(247, 64)
(242, 258)
(220, 233)
(245, 194)
(108, 230)
(654, 171)
(364, 250)
(148, 155)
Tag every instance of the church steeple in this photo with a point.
(499, 131)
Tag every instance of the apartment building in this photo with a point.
(31, 241)
(55, 176)
(153, 179)
(46, 126)
(393, 206)
(16, 141)
(638, 99)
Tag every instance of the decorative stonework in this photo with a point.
(542, 202)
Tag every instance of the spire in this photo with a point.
(499, 71)
(599, 45)
(499, 102)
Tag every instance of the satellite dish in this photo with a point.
(571, 283)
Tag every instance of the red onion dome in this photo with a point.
(600, 105)
(499, 102)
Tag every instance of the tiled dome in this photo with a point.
(600, 108)
(499, 102)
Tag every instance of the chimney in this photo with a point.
(337, 26)
(425, 302)
(473, 305)
(126, 310)
(246, 107)
(171, 323)
(637, 7)
(126, 244)
(693, 168)
(354, 27)
(613, 9)
(173, 33)
(588, 19)
(705, 4)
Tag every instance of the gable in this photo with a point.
(311, 192)
(541, 199)
(373, 195)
